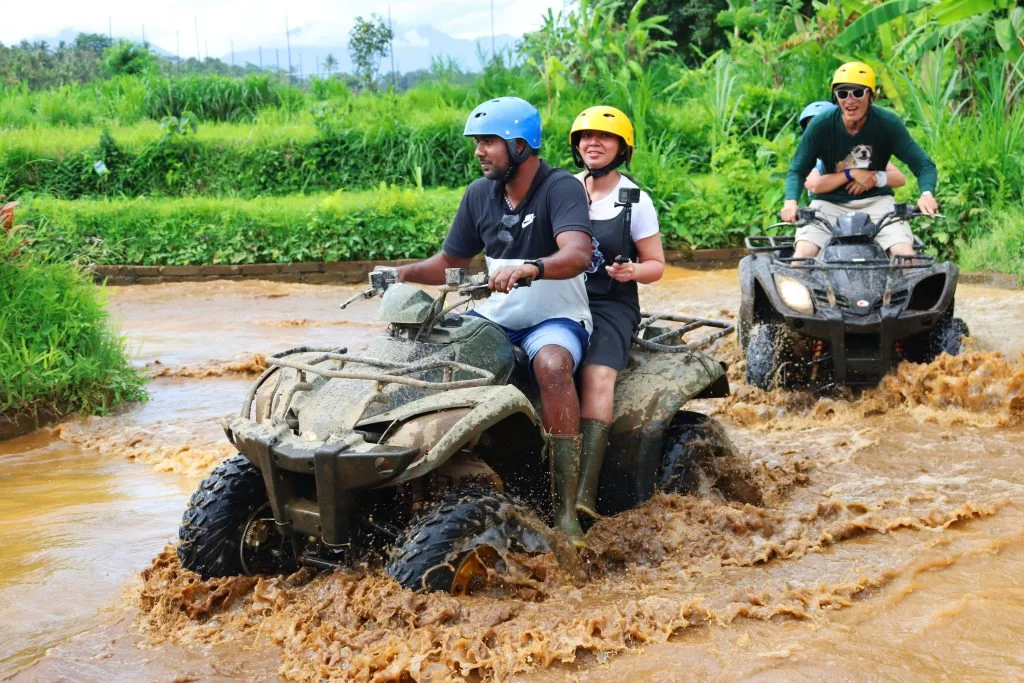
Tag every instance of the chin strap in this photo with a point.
(596, 173)
(515, 157)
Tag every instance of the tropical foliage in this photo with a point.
(57, 354)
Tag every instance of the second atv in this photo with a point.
(427, 447)
(846, 317)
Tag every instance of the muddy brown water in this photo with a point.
(890, 545)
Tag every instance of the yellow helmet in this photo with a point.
(855, 73)
(605, 120)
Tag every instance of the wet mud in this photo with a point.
(888, 539)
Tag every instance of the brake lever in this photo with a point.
(365, 294)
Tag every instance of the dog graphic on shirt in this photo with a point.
(859, 157)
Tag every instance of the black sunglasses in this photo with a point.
(508, 221)
(843, 93)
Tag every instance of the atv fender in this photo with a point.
(442, 424)
(746, 317)
(647, 398)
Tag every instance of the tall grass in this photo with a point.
(998, 248)
(216, 98)
(57, 351)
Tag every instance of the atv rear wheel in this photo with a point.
(453, 545)
(699, 456)
(766, 351)
(228, 528)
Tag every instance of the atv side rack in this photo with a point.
(659, 342)
(390, 373)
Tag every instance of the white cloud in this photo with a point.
(413, 37)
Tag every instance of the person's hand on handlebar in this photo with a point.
(788, 213)
(505, 278)
(927, 204)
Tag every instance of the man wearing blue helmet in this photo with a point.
(815, 183)
(531, 221)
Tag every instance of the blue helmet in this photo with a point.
(812, 110)
(511, 119)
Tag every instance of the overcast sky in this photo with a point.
(250, 23)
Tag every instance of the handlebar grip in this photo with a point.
(523, 282)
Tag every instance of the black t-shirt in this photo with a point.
(555, 203)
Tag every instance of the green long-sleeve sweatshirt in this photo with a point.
(882, 136)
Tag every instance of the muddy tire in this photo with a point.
(699, 456)
(228, 506)
(446, 547)
(765, 352)
(946, 337)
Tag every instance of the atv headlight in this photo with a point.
(794, 294)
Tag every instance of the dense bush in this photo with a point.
(57, 352)
(386, 224)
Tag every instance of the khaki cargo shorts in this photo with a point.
(876, 207)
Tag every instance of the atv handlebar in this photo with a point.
(806, 215)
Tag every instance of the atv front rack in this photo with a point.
(660, 342)
(389, 372)
(763, 243)
(894, 263)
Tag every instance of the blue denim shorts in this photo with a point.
(569, 334)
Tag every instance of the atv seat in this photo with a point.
(521, 378)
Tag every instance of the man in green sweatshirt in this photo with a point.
(855, 142)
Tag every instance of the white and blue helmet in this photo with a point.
(812, 110)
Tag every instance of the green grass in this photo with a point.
(57, 351)
(1000, 249)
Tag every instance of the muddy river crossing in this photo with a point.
(890, 545)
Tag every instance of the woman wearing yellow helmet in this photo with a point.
(627, 250)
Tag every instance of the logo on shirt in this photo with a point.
(596, 257)
(859, 157)
(528, 220)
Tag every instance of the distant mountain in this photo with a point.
(414, 48)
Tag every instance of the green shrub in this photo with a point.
(57, 353)
(385, 224)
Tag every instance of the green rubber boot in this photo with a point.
(564, 452)
(595, 441)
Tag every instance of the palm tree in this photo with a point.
(330, 64)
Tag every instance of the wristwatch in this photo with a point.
(881, 179)
(538, 264)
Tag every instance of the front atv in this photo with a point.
(848, 316)
(426, 447)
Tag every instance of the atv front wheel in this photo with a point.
(228, 528)
(765, 353)
(698, 456)
(453, 545)
(946, 337)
